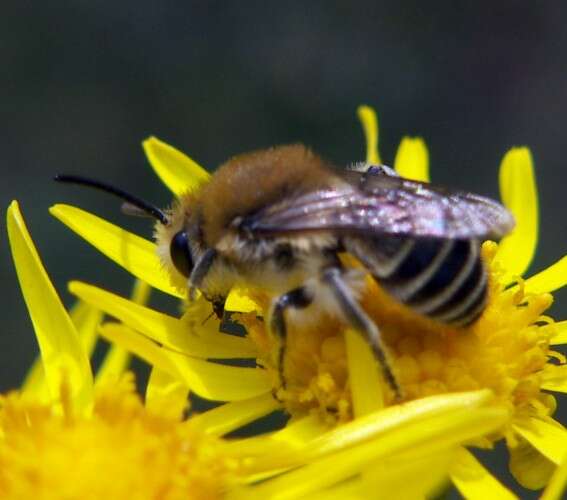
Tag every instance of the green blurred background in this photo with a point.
(84, 82)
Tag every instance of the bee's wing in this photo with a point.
(370, 204)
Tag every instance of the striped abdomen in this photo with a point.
(442, 279)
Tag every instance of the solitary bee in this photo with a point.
(277, 219)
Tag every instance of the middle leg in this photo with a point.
(298, 298)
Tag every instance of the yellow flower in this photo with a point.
(330, 372)
(65, 435)
(107, 453)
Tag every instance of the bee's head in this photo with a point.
(185, 255)
(177, 233)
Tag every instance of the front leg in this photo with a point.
(200, 271)
(360, 321)
(297, 298)
(199, 274)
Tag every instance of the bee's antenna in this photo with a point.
(148, 208)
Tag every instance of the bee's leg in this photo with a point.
(356, 316)
(297, 298)
(202, 267)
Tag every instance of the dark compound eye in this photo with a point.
(181, 253)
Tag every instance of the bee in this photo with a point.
(277, 219)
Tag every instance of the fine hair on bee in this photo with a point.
(277, 220)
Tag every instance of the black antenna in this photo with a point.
(148, 208)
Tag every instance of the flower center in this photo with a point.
(120, 451)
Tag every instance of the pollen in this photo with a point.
(506, 350)
(121, 450)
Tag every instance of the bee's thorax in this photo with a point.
(246, 183)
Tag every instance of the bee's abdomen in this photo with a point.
(442, 279)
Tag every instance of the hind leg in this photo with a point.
(359, 320)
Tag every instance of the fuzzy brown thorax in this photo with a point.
(248, 182)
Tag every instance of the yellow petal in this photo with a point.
(269, 455)
(135, 254)
(412, 159)
(367, 117)
(239, 301)
(390, 476)
(113, 365)
(422, 415)
(549, 439)
(294, 436)
(137, 344)
(364, 379)
(61, 351)
(231, 416)
(349, 490)
(474, 481)
(557, 485)
(141, 292)
(34, 385)
(86, 320)
(560, 336)
(176, 170)
(422, 437)
(168, 331)
(548, 280)
(401, 415)
(529, 467)
(208, 380)
(166, 395)
(117, 360)
(554, 378)
(555, 386)
(300, 431)
(519, 193)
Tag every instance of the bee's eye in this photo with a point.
(181, 253)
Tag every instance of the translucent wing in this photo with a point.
(376, 202)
